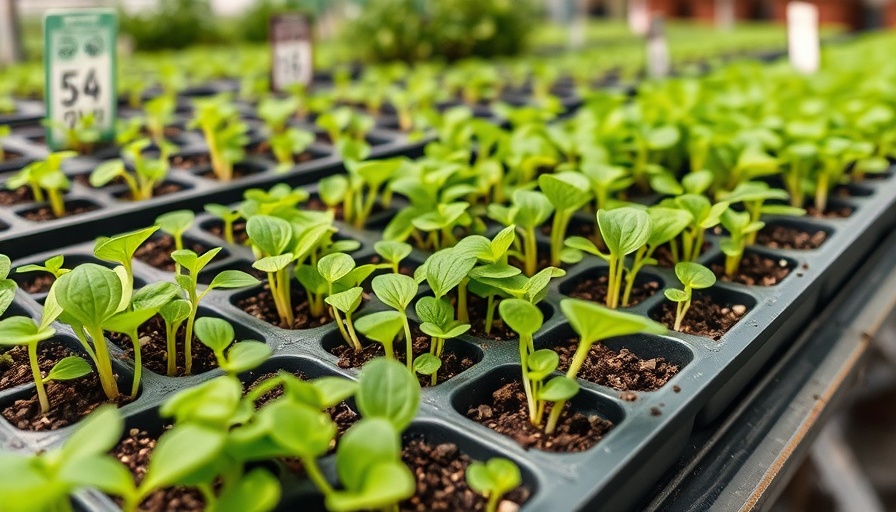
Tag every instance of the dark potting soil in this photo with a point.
(39, 282)
(238, 172)
(239, 231)
(452, 363)
(261, 305)
(777, 236)
(476, 309)
(134, 451)
(508, 413)
(161, 189)
(341, 414)
(69, 402)
(263, 149)
(154, 349)
(755, 270)
(17, 196)
(595, 290)
(157, 251)
(832, 212)
(44, 213)
(440, 471)
(623, 370)
(704, 318)
(663, 255)
(9, 156)
(187, 162)
(314, 203)
(15, 368)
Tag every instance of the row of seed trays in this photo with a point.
(517, 305)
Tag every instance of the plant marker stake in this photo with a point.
(80, 49)
(657, 49)
(802, 37)
(292, 51)
(638, 17)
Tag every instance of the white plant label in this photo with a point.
(79, 66)
(292, 51)
(658, 64)
(802, 37)
(639, 17)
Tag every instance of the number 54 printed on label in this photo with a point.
(79, 67)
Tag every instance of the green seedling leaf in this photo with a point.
(533, 208)
(21, 330)
(69, 368)
(232, 279)
(5, 266)
(382, 326)
(676, 295)
(272, 235)
(333, 390)
(334, 267)
(392, 251)
(169, 466)
(90, 293)
(446, 269)
(395, 290)
(594, 322)
(211, 403)
(387, 390)
(257, 491)
(176, 223)
(215, 333)
(624, 230)
(565, 190)
(246, 355)
(557, 389)
(496, 477)
(435, 311)
(666, 224)
(494, 271)
(175, 311)
(333, 189)
(154, 296)
(274, 263)
(694, 275)
(542, 363)
(347, 301)
(521, 316)
(97, 434)
(427, 364)
(302, 430)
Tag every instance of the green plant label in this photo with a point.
(292, 51)
(79, 70)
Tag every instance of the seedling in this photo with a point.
(605, 180)
(228, 216)
(193, 265)
(80, 136)
(529, 211)
(740, 228)
(624, 231)
(176, 223)
(147, 174)
(45, 176)
(224, 132)
(217, 334)
(346, 302)
(285, 142)
(23, 331)
(360, 191)
(693, 276)
(120, 249)
(754, 196)
(704, 215)
(159, 113)
(46, 481)
(52, 266)
(493, 479)
(568, 192)
(392, 253)
(7, 286)
(396, 291)
(594, 323)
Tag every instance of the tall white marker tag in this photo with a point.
(292, 51)
(638, 17)
(802, 37)
(658, 63)
(79, 70)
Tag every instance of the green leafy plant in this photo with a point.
(693, 276)
(176, 223)
(396, 291)
(285, 142)
(52, 265)
(228, 217)
(46, 180)
(193, 264)
(360, 190)
(528, 212)
(147, 172)
(174, 314)
(120, 249)
(7, 286)
(568, 192)
(224, 132)
(493, 479)
(392, 252)
(46, 481)
(158, 114)
(81, 135)
(704, 215)
(217, 334)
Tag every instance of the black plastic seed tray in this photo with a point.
(26, 112)
(649, 432)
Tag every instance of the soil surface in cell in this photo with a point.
(134, 452)
(239, 231)
(154, 348)
(621, 370)
(595, 290)
(18, 196)
(508, 413)
(452, 363)
(188, 162)
(69, 402)
(162, 189)
(755, 270)
(263, 149)
(157, 251)
(704, 318)
(778, 236)
(9, 156)
(663, 255)
(831, 212)
(38, 282)
(261, 305)
(44, 213)
(15, 368)
(440, 471)
(239, 171)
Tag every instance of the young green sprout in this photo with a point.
(5, 130)
(224, 132)
(46, 481)
(80, 136)
(192, 264)
(53, 266)
(339, 272)
(158, 114)
(285, 142)
(568, 192)
(361, 189)
(173, 315)
(624, 230)
(493, 479)
(228, 216)
(147, 174)
(396, 291)
(120, 249)
(740, 228)
(704, 215)
(594, 323)
(392, 253)
(217, 334)
(176, 223)
(693, 276)
(46, 180)
(529, 211)
(7, 286)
